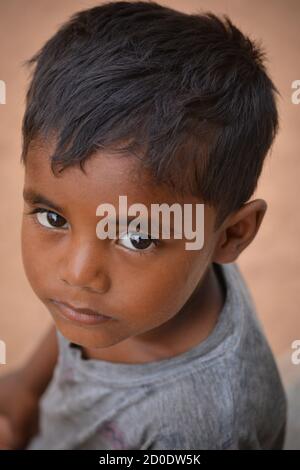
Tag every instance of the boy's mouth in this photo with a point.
(81, 315)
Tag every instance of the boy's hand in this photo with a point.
(6, 433)
(19, 407)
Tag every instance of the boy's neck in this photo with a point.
(193, 324)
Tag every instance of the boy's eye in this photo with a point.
(136, 241)
(49, 219)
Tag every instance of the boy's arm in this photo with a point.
(38, 369)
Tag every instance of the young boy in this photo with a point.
(153, 346)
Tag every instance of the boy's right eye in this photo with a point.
(49, 219)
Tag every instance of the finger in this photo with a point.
(6, 433)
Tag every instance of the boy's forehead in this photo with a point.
(106, 176)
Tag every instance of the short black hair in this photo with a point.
(188, 94)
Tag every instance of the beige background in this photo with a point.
(271, 264)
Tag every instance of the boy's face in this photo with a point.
(140, 289)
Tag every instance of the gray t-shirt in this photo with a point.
(224, 393)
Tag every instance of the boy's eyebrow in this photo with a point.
(33, 197)
(121, 219)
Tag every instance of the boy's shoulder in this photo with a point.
(220, 394)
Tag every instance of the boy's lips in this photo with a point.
(82, 315)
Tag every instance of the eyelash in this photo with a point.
(42, 210)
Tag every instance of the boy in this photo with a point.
(153, 346)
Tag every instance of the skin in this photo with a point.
(164, 300)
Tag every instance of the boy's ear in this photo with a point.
(238, 231)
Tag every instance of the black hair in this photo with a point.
(188, 94)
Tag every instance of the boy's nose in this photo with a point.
(83, 265)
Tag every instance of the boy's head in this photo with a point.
(139, 99)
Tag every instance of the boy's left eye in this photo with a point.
(50, 219)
